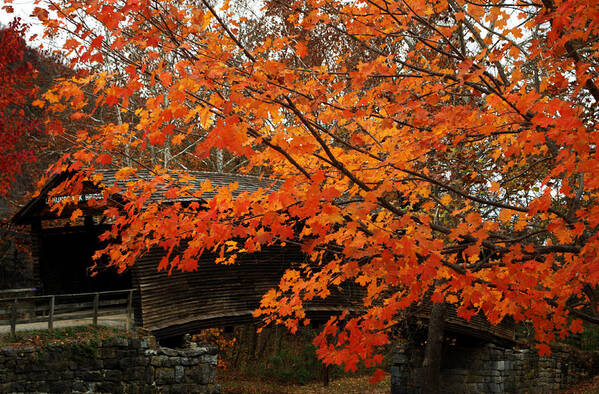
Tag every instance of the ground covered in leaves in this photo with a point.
(232, 383)
(61, 336)
(590, 386)
(275, 361)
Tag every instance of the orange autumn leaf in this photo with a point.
(505, 215)
(77, 213)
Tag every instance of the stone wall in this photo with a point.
(491, 369)
(117, 365)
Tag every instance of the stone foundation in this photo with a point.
(491, 369)
(118, 365)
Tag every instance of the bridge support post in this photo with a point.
(129, 309)
(95, 313)
(13, 319)
(51, 315)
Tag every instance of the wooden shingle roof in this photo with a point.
(246, 183)
(38, 206)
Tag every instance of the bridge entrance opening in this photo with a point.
(66, 262)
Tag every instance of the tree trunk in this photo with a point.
(433, 351)
(254, 341)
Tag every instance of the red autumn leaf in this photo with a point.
(544, 350)
(104, 158)
(40, 13)
(97, 42)
(576, 326)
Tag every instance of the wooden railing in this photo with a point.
(59, 307)
(17, 292)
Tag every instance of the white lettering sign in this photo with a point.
(82, 197)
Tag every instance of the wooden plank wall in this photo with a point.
(218, 295)
(478, 326)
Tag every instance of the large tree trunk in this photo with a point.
(433, 351)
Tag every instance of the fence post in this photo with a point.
(96, 302)
(51, 317)
(129, 308)
(13, 319)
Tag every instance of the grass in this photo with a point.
(355, 384)
(64, 335)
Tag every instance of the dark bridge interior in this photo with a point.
(65, 261)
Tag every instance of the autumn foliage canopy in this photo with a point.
(427, 148)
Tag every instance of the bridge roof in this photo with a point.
(99, 180)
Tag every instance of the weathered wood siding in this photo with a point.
(217, 295)
(478, 326)
(214, 295)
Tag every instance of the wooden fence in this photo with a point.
(17, 292)
(58, 307)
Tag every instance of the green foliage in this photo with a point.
(298, 366)
(587, 341)
(81, 351)
(272, 355)
(589, 338)
(275, 355)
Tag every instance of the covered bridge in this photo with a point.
(215, 295)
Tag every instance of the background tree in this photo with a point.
(432, 148)
(16, 77)
(27, 148)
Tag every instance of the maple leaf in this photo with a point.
(446, 199)
(156, 137)
(71, 44)
(544, 350)
(576, 326)
(452, 299)
(301, 49)
(377, 376)
(104, 158)
(166, 78)
(124, 173)
(465, 313)
(262, 236)
(505, 215)
(97, 42)
(40, 13)
(77, 213)
(178, 139)
(171, 193)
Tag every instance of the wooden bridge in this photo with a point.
(168, 305)
(214, 295)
